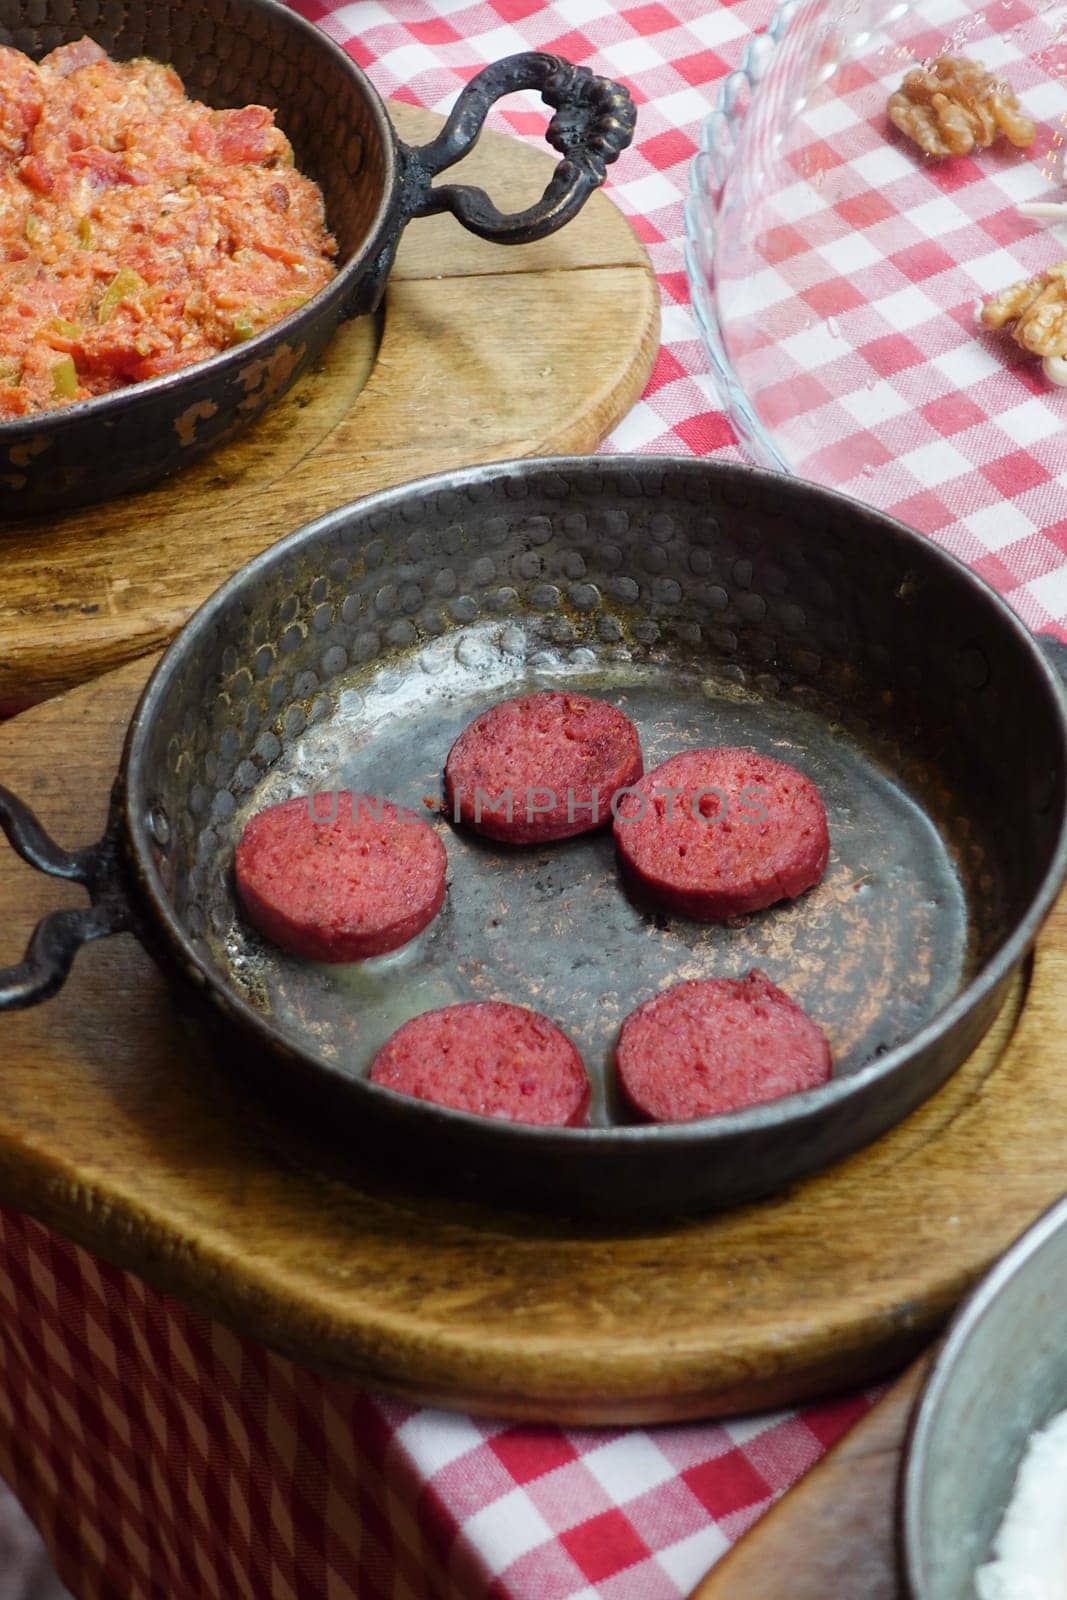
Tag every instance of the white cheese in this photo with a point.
(1030, 1549)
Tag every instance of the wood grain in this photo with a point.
(120, 1130)
(834, 1534)
(482, 353)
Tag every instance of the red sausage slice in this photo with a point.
(702, 1048)
(715, 833)
(543, 766)
(492, 1059)
(339, 877)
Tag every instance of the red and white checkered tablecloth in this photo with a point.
(164, 1458)
(851, 294)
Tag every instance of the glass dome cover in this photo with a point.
(837, 271)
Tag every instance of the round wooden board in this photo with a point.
(483, 353)
(119, 1130)
(834, 1535)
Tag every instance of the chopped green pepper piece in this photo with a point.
(65, 379)
(10, 371)
(123, 285)
(85, 233)
(33, 229)
(243, 326)
(66, 330)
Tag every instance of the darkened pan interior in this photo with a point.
(237, 54)
(716, 604)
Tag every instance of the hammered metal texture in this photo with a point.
(228, 53)
(716, 605)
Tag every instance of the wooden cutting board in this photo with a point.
(120, 1130)
(833, 1536)
(482, 353)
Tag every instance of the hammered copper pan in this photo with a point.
(716, 604)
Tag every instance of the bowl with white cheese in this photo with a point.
(983, 1502)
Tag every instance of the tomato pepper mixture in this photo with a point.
(140, 231)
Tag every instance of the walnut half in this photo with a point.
(955, 104)
(1037, 307)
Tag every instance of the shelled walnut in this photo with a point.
(1038, 308)
(953, 105)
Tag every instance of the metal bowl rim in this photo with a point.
(791, 1110)
(966, 1323)
(18, 430)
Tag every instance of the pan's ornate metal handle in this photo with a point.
(58, 937)
(593, 125)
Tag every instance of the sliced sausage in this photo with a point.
(715, 833)
(340, 876)
(542, 766)
(491, 1059)
(710, 1046)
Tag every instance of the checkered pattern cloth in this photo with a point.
(851, 295)
(163, 1458)
(160, 1455)
(960, 436)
